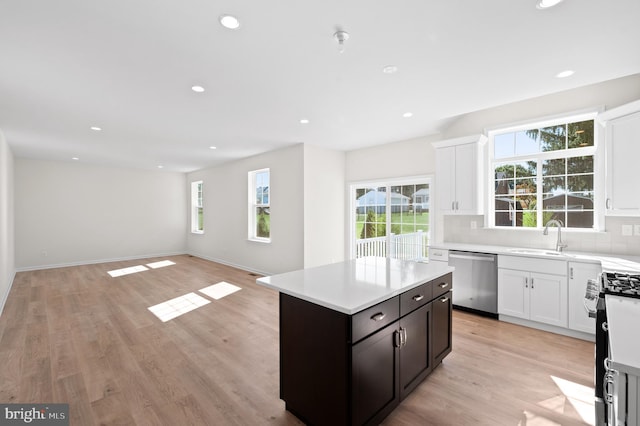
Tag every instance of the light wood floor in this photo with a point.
(78, 336)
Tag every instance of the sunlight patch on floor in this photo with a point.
(579, 396)
(127, 271)
(220, 290)
(160, 264)
(533, 419)
(180, 305)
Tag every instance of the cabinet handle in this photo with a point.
(607, 204)
(571, 273)
(443, 285)
(531, 282)
(418, 297)
(397, 339)
(444, 299)
(526, 282)
(457, 207)
(453, 205)
(404, 333)
(378, 317)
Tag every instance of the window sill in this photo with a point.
(260, 240)
(197, 232)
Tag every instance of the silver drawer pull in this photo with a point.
(444, 299)
(443, 285)
(418, 297)
(378, 317)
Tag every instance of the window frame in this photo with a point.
(197, 207)
(388, 183)
(253, 205)
(597, 151)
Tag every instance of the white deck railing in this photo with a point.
(403, 246)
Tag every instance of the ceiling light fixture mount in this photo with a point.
(229, 21)
(565, 74)
(546, 4)
(341, 36)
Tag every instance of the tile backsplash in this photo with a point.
(615, 240)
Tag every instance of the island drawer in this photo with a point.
(374, 318)
(442, 285)
(416, 297)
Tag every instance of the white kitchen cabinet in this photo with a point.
(524, 293)
(459, 175)
(622, 148)
(579, 273)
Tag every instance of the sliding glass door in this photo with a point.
(391, 219)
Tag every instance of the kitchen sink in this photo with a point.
(538, 252)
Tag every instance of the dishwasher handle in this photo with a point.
(472, 256)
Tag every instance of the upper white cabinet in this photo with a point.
(459, 175)
(622, 145)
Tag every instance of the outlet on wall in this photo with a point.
(474, 224)
(627, 230)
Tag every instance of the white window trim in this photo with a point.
(598, 167)
(195, 206)
(386, 182)
(251, 197)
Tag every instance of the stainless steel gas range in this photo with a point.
(614, 300)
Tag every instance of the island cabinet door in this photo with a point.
(375, 375)
(415, 349)
(441, 331)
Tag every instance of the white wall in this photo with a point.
(325, 193)
(7, 248)
(225, 203)
(71, 213)
(414, 157)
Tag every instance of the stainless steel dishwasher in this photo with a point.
(475, 282)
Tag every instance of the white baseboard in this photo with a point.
(5, 296)
(235, 265)
(94, 261)
(547, 327)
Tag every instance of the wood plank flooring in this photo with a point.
(76, 335)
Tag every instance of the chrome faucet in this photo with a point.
(559, 244)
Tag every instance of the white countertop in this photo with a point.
(623, 317)
(354, 285)
(609, 262)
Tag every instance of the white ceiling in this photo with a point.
(128, 66)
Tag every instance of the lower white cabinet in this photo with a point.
(579, 273)
(524, 293)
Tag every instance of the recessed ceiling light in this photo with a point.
(565, 73)
(75, 158)
(229, 21)
(304, 121)
(407, 115)
(160, 166)
(390, 69)
(213, 147)
(197, 89)
(96, 128)
(546, 4)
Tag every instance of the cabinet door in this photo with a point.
(441, 330)
(513, 293)
(579, 273)
(415, 352)
(466, 179)
(375, 376)
(548, 300)
(622, 152)
(446, 178)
